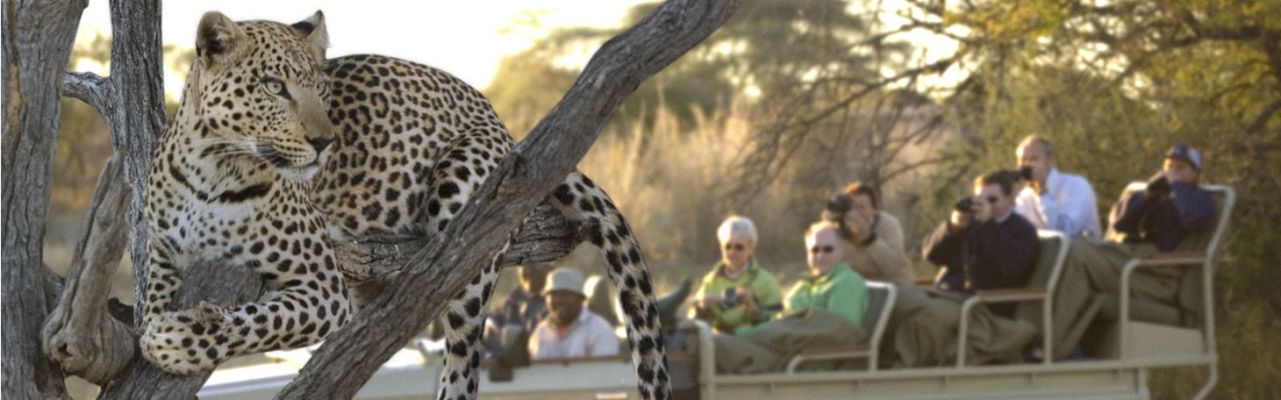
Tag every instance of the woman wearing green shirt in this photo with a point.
(831, 285)
(736, 293)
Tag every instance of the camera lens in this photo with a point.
(1025, 172)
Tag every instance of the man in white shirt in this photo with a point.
(569, 330)
(1055, 200)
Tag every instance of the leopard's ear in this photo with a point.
(313, 28)
(218, 39)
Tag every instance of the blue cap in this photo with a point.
(1186, 153)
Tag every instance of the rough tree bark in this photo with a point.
(522, 180)
(78, 335)
(37, 45)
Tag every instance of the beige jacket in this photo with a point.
(883, 259)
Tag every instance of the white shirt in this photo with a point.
(589, 335)
(1067, 205)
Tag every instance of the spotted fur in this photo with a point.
(230, 182)
(413, 135)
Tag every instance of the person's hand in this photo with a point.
(1159, 185)
(960, 220)
(858, 225)
(749, 303)
(709, 301)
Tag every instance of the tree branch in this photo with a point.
(522, 180)
(88, 87)
(79, 335)
(369, 266)
(213, 281)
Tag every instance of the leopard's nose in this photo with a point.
(320, 142)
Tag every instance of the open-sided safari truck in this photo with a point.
(1145, 336)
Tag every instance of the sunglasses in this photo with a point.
(735, 246)
(822, 249)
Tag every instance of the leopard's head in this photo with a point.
(259, 88)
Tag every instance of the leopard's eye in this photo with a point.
(275, 86)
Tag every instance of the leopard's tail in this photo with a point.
(582, 201)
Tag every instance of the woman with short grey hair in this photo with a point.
(736, 293)
(737, 227)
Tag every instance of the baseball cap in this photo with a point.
(1186, 153)
(565, 279)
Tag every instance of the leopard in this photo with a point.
(276, 153)
(230, 181)
(414, 144)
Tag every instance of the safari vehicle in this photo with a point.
(1149, 336)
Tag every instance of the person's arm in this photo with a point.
(767, 295)
(700, 310)
(1196, 207)
(1026, 204)
(944, 245)
(885, 249)
(798, 298)
(1080, 213)
(849, 299)
(1003, 255)
(1128, 212)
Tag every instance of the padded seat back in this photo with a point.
(878, 296)
(1049, 264)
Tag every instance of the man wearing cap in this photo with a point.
(1053, 199)
(1154, 220)
(569, 330)
(1172, 205)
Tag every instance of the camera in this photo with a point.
(1159, 186)
(1025, 172)
(964, 205)
(839, 205)
(729, 299)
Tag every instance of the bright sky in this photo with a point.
(466, 38)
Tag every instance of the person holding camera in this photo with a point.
(1154, 220)
(737, 293)
(985, 244)
(825, 308)
(1052, 199)
(874, 237)
(1172, 205)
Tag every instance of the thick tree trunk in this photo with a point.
(78, 335)
(38, 36)
(523, 179)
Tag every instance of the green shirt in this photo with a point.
(841, 291)
(758, 282)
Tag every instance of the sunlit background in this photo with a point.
(792, 100)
